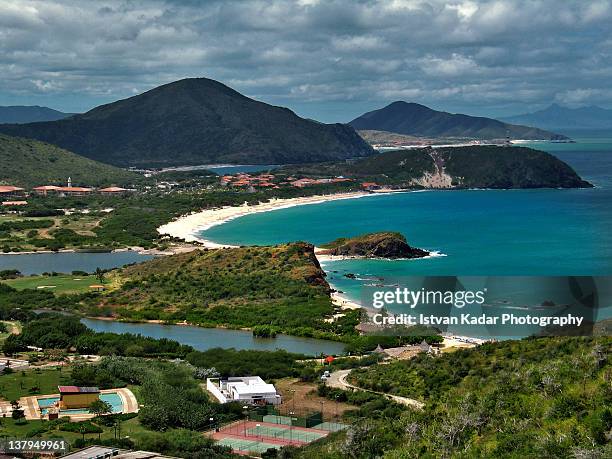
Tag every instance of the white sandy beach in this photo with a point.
(188, 226)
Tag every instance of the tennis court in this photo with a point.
(285, 433)
(246, 446)
(330, 426)
(275, 419)
(256, 437)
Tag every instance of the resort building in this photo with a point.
(248, 389)
(45, 190)
(114, 191)
(7, 191)
(74, 191)
(72, 397)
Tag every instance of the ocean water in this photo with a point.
(479, 233)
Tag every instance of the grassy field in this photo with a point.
(24, 383)
(11, 327)
(62, 284)
(25, 239)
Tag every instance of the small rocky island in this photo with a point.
(374, 245)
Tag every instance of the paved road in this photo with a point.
(338, 380)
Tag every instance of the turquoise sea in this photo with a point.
(479, 232)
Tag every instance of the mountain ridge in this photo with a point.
(556, 116)
(21, 114)
(414, 119)
(195, 121)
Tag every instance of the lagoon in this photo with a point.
(203, 339)
(66, 262)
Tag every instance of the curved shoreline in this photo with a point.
(187, 227)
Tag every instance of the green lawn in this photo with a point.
(46, 429)
(56, 284)
(22, 384)
(9, 327)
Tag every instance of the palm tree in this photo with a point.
(100, 275)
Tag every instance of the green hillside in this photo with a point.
(481, 166)
(544, 398)
(281, 286)
(28, 163)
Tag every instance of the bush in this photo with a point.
(81, 427)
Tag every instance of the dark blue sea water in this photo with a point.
(480, 232)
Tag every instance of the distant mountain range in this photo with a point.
(195, 121)
(28, 163)
(419, 120)
(19, 114)
(558, 117)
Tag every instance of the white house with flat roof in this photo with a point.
(247, 389)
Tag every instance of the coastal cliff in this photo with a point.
(374, 245)
(477, 166)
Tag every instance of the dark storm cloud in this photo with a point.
(326, 59)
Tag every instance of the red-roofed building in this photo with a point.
(75, 190)
(113, 190)
(370, 186)
(9, 191)
(46, 189)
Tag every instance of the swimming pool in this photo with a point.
(112, 398)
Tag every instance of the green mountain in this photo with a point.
(19, 114)
(482, 166)
(419, 120)
(28, 163)
(195, 121)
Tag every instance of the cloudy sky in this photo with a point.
(326, 59)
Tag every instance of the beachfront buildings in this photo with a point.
(251, 390)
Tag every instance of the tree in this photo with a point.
(99, 273)
(100, 407)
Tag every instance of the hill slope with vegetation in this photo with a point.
(282, 287)
(545, 397)
(26, 163)
(196, 121)
(418, 120)
(482, 166)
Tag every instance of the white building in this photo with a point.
(251, 390)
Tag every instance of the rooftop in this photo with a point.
(9, 189)
(78, 390)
